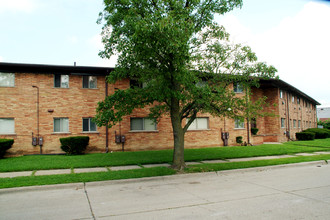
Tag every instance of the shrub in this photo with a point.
(305, 136)
(254, 131)
(320, 133)
(239, 139)
(5, 144)
(74, 145)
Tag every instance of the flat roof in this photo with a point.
(54, 69)
(103, 71)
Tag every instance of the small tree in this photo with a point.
(178, 52)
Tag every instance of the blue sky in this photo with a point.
(292, 35)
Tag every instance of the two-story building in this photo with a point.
(41, 103)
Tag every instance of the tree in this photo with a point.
(173, 47)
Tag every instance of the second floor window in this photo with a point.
(90, 82)
(7, 79)
(61, 81)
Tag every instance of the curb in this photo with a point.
(77, 186)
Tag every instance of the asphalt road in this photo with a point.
(291, 192)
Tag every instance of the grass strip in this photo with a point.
(148, 172)
(256, 163)
(84, 177)
(44, 162)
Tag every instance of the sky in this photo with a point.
(292, 35)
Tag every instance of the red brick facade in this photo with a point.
(75, 103)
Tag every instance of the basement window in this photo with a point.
(7, 79)
(199, 124)
(7, 126)
(90, 82)
(143, 124)
(61, 81)
(61, 125)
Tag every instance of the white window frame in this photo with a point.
(197, 124)
(89, 125)
(62, 120)
(11, 130)
(144, 121)
(89, 82)
(238, 88)
(61, 81)
(239, 123)
(10, 76)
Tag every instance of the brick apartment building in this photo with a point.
(50, 102)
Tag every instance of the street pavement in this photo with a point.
(300, 191)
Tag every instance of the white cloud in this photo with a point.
(18, 5)
(72, 39)
(1, 59)
(298, 47)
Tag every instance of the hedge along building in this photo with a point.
(42, 103)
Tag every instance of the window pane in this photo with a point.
(92, 82)
(238, 88)
(193, 125)
(202, 123)
(57, 125)
(7, 126)
(65, 124)
(239, 123)
(136, 124)
(85, 81)
(7, 79)
(149, 124)
(92, 126)
(64, 81)
(57, 81)
(85, 124)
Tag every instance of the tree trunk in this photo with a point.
(178, 135)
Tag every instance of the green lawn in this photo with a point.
(126, 158)
(43, 162)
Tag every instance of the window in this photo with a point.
(199, 124)
(282, 122)
(143, 124)
(90, 82)
(281, 94)
(292, 99)
(238, 88)
(7, 79)
(61, 125)
(299, 123)
(88, 125)
(298, 101)
(310, 124)
(253, 123)
(294, 123)
(7, 126)
(61, 81)
(136, 84)
(239, 123)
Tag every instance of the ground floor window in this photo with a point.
(239, 123)
(7, 126)
(299, 123)
(199, 124)
(61, 125)
(88, 125)
(143, 124)
(294, 123)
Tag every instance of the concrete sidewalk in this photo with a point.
(131, 167)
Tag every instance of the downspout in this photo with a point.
(38, 134)
(106, 127)
(248, 115)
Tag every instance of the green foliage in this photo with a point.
(239, 139)
(5, 144)
(254, 131)
(304, 136)
(320, 133)
(74, 145)
(185, 59)
(325, 124)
